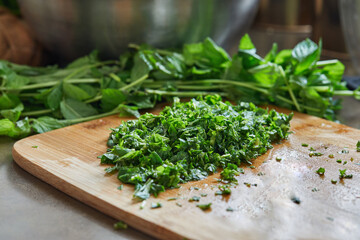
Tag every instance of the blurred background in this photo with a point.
(51, 31)
(38, 32)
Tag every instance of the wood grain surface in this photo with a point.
(67, 159)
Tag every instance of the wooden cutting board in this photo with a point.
(263, 203)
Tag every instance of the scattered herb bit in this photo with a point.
(345, 162)
(351, 159)
(172, 198)
(142, 205)
(316, 154)
(295, 200)
(344, 175)
(34, 146)
(252, 167)
(304, 144)
(358, 146)
(315, 189)
(196, 188)
(194, 198)
(120, 225)
(204, 206)
(331, 156)
(190, 141)
(247, 184)
(120, 187)
(156, 205)
(330, 219)
(179, 204)
(339, 161)
(312, 149)
(261, 174)
(224, 190)
(320, 171)
(230, 209)
(203, 194)
(333, 181)
(345, 151)
(278, 159)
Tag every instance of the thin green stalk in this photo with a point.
(326, 62)
(344, 93)
(84, 119)
(52, 83)
(292, 95)
(134, 83)
(36, 113)
(183, 94)
(89, 66)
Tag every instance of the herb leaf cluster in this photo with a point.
(40, 99)
(189, 141)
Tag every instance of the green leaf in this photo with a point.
(15, 130)
(6, 127)
(246, 44)
(8, 101)
(283, 57)
(13, 114)
(142, 66)
(75, 92)
(205, 54)
(270, 57)
(307, 53)
(128, 111)
(86, 60)
(72, 109)
(266, 74)
(334, 71)
(141, 100)
(55, 96)
(14, 81)
(90, 90)
(111, 98)
(45, 124)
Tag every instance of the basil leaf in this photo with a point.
(72, 109)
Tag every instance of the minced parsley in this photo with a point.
(190, 141)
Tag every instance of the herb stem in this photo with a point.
(183, 94)
(84, 119)
(344, 93)
(74, 73)
(134, 83)
(52, 83)
(35, 113)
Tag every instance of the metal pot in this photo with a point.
(72, 28)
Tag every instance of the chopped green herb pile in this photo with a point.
(40, 99)
(189, 141)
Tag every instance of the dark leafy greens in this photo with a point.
(39, 99)
(189, 141)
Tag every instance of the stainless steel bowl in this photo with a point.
(71, 28)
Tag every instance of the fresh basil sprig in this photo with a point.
(39, 99)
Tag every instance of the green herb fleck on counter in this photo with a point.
(321, 171)
(204, 206)
(156, 205)
(120, 225)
